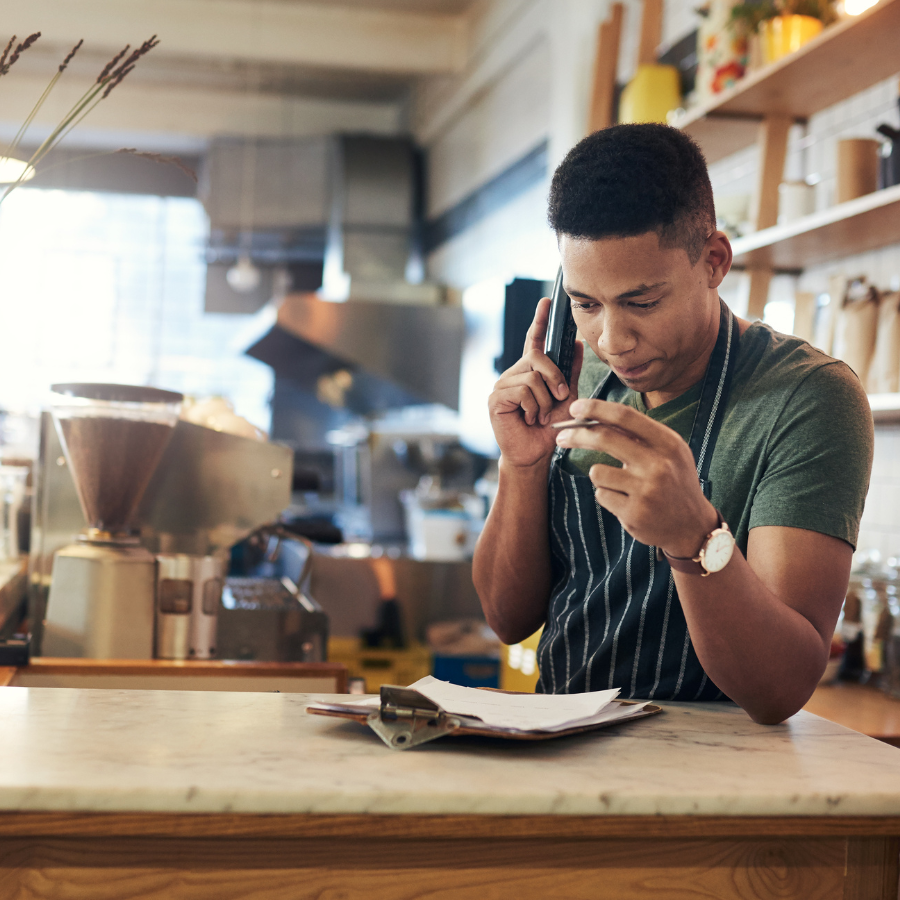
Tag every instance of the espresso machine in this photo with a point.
(164, 501)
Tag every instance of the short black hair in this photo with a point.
(627, 180)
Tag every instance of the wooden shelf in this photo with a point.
(845, 59)
(862, 708)
(865, 223)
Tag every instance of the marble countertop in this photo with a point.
(179, 751)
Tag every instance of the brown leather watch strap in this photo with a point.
(691, 565)
(685, 564)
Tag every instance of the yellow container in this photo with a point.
(378, 667)
(518, 665)
(653, 92)
(784, 35)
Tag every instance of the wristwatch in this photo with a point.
(715, 553)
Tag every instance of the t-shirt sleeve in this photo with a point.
(818, 457)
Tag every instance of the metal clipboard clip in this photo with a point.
(407, 719)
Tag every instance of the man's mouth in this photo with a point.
(633, 372)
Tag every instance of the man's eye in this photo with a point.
(577, 305)
(650, 305)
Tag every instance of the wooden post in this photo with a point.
(773, 137)
(606, 63)
(873, 869)
(651, 32)
(759, 292)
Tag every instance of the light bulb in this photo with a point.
(12, 170)
(243, 277)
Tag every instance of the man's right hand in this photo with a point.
(530, 396)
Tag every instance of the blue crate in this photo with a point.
(468, 671)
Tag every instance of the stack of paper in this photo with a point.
(521, 712)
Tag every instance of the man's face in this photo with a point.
(645, 311)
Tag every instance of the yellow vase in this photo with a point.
(653, 92)
(787, 34)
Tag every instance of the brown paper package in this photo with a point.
(857, 168)
(884, 372)
(857, 327)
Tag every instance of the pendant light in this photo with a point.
(244, 277)
(13, 170)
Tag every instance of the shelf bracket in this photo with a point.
(772, 140)
(759, 292)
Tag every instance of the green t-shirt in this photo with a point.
(795, 448)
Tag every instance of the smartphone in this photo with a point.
(561, 330)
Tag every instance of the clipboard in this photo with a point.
(405, 719)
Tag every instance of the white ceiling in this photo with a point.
(359, 49)
(216, 55)
(429, 7)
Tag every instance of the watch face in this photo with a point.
(717, 551)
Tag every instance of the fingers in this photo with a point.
(530, 389)
(625, 446)
(611, 478)
(625, 418)
(615, 502)
(538, 361)
(536, 335)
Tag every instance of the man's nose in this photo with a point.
(617, 338)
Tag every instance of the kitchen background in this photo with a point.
(109, 283)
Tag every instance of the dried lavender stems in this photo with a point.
(7, 61)
(160, 158)
(112, 75)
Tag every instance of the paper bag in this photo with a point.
(857, 327)
(827, 316)
(884, 373)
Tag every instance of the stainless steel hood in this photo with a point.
(416, 349)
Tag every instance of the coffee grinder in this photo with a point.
(103, 590)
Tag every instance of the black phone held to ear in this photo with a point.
(561, 330)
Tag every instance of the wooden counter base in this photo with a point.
(175, 795)
(104, 856)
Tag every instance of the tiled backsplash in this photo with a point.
(881, 521)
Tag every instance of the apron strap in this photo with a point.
(714, 395)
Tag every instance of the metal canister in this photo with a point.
(188, 593)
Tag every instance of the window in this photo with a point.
(110, 287)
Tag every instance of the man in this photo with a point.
(616, 537)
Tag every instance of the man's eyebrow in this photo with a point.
(640, 291)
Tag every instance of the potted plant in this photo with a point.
(782, 26)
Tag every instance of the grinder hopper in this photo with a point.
(113, 437)
(103, 589)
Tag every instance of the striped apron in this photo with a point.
(614, 619)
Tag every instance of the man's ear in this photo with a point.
(717, 257)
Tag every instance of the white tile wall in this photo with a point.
(496, 130)
(880, 528)
(514, 241)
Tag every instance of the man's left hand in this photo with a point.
(656, 495)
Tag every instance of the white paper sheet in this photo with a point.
(522, 712)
